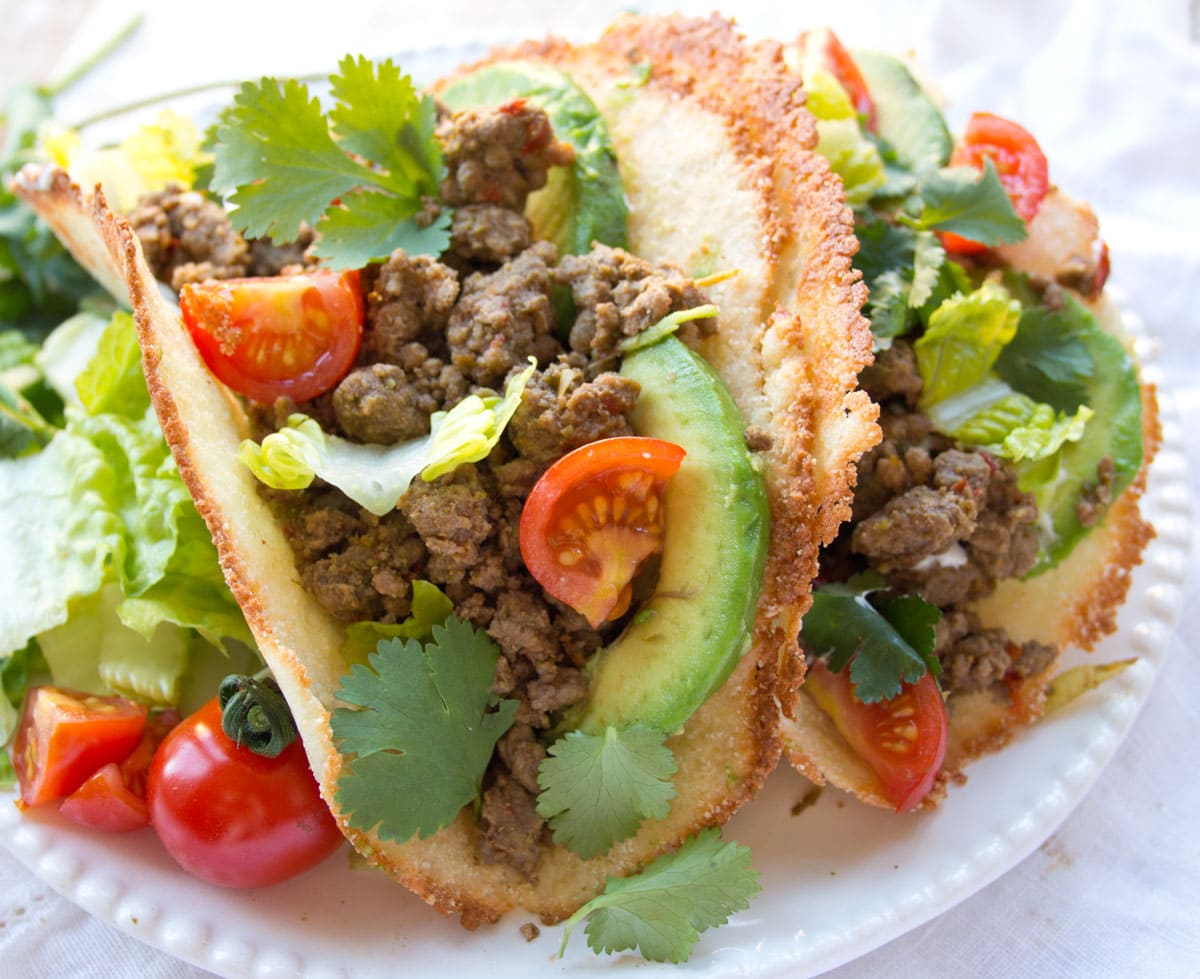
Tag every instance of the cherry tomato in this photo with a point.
(106, 803)
(1019, 161)
(822, 49)
(903, 739)
(66, 735)
(234, 818)
(593, 518)
(264, 338)
(113, 799)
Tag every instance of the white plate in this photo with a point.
(839, 879)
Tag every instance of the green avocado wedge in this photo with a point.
(906, 117)
(685, 641)
(580, 203)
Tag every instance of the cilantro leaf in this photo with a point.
(928, 258)
(283, 162)
(661, 911)
(597, 789)
(365, 229)
(277, 160)
(423, 733)
(978, 207)
(1048, 358)
(883, 645)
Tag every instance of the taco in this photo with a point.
(714, 159)
(997, 522)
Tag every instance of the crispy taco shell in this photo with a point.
(716, 153)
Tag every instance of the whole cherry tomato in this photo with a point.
(593, 518)
(232, 817)
(903, 739)
(1020, 164)
(269, 337)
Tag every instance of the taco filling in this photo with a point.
(1013, 421)
(437, 331)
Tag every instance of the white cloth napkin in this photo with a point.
(1112, 90)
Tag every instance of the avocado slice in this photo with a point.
(684, 642)
(581, 203)
(904, 115)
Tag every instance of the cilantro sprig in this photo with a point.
(597, 789)
(661, 911)
(885, 639)
(419, 732)
(360, 174)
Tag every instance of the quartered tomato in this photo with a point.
(113, 799)
(234, 818)
(902, 739)
(1019, 161)
(266, 338)
(593, 518)
(66, 735)
(822, 49)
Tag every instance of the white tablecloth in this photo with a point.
(1112, 90)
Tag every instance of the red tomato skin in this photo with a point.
(105, 803)
(826, 50)
(66, 735)
(294, 336)
(234, 818)
(606, 555)
(113, 799)
(907, 775)
(1020, 164)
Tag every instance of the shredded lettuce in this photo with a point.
(377, 476)
(166, 151)
(665, 327)
(103, 506)
(840, 139)
(964, 399)
(963, 341)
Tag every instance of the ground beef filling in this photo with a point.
(186, 237)
(942, 521)
(437, 331)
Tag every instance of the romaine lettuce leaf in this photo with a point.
(840, 139)
(963, 340)
(104, 503)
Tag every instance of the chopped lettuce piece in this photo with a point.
(68, 351)
(840, 139)
(377, 476)
(430, 607)
(965, 337)
(665, 327)
(94, 651)
(103, 502)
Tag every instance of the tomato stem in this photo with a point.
(254, 714)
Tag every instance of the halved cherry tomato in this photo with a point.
(822, 49)
(234, 818)
(113, 799)
(593, 518)
(1020, 164)
(66, 735)
(106, 803)
(293, 335)
(902, 739)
